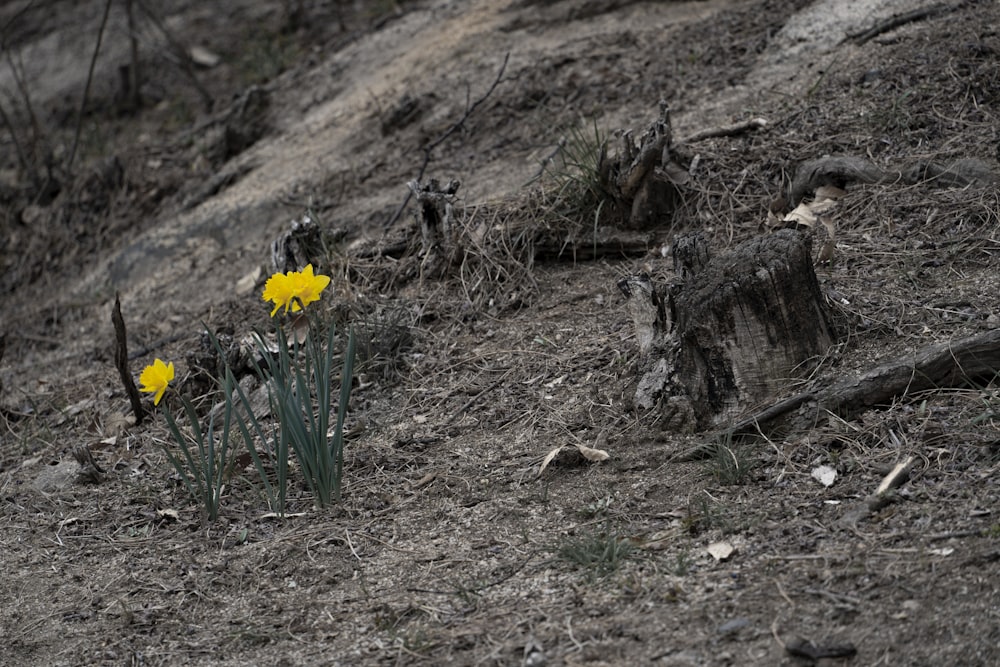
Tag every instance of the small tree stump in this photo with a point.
(735, 330)
(437, 224)
(642, 177)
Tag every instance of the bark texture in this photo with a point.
(731, 332)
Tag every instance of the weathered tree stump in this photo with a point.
(301, 244)
(731, 332)
(642, 178)
(437, 224)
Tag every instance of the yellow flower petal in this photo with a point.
(155, 378)
(294, 290)
(279, 289)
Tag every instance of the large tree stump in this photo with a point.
(733, 330)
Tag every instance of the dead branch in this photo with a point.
(952, 364)
(13, 18)
(182, 54)
(972, 359)
(842, 170)
(21, 159)
(896, 21)
(815, 652)
(437, 224)
(17, 71)
(725, 130)
(134, 78)
(86, 86)
(429, 148)
(834, 170)
(36, 153)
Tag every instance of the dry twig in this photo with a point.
(86, 86)
(429, 148)
(898, 20)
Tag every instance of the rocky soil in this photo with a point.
(450, 547)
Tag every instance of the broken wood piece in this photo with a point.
(690, 254)
(121, 362)
(429, 148)
(880, 499)
(435, 214)
(646, 308)
(90, 472)
(813, 651)
(899, 474)
(438, 229)
(300, 245)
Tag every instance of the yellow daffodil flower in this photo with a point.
(155, 378)
(295, 289)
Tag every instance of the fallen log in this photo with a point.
(842, 170)
(952, 364)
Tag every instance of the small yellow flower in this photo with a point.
(155, 378)
(279, 289)
(291, 289)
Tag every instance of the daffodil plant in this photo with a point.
(206, 456)
(299, 378)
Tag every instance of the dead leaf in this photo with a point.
(169, 514)
(548, 459)
(246, 284)
(807, 213)
(676, 174)
(555, 383)
(79, 406)
(241, 461)
(593, 454)
(298, 329)
(424, 481)
(828, 251)
(829, 192)
(202, 57)
(825, 475)
(720, 551)
(661, 539)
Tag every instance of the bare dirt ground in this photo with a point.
(448, 547)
